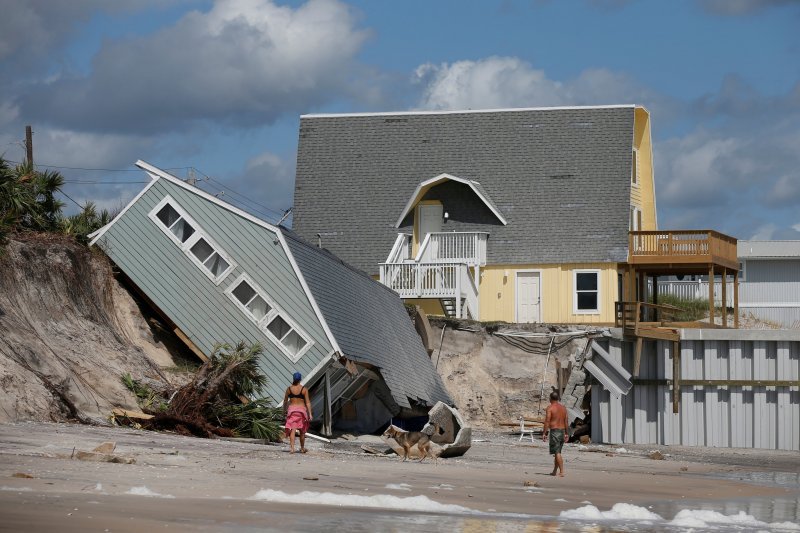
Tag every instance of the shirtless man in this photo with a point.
(556, 425)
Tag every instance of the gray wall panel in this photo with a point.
(718, 416)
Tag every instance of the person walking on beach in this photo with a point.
(297, 407)
(555, 424)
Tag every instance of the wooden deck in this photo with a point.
(682, 252)
(681, 249)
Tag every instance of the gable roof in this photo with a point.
(424, 186)
(560, 177)
(768, 249)
(370, 323)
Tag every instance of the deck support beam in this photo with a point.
(711, 294)
(736, 300)
(676, 376)
(724, 297)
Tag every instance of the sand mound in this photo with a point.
(68, 331)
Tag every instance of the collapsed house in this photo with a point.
(217, 274)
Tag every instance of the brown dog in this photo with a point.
(409, 439)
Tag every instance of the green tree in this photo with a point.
(87, 221)
(28, 199)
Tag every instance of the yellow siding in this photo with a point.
(429, 305)
(643, 195)
(498, 299)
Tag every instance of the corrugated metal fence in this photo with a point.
(716, 415)
(773, 301)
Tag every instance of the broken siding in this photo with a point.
(192, 301)
(719, 416)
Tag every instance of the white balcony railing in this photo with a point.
(434, 280)
(454, 247)
(401, 250)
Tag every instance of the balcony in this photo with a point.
(652, 254)
(444, 268)
(451, 283)
(454, 247)
(685, 247)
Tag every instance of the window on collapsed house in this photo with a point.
(586, 299)
(184, 232)
(175, 223)
(273, 322)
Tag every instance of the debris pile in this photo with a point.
(215, 402)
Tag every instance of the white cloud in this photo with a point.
(497, 82)
(243, 62)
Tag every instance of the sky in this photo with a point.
(213, 89)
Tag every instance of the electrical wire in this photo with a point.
(78, 182)
(73, 200)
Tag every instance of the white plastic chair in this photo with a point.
(523, 430)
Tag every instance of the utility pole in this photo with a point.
(29, 144)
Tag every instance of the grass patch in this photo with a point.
(691, 309)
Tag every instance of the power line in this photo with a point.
(70, 197)
(245, 199)
(79, 182)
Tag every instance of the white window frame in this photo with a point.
(269, 317)
(634, 218)
(636, 173)
(575, 309)
(186, 247)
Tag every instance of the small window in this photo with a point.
(587, 292)
(175, 223)
(191, 239)
(635, 167)
(271, 320)
(255, 304)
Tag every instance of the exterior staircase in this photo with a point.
(446, 268)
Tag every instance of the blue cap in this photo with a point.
(297, 376)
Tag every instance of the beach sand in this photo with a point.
(183, 483)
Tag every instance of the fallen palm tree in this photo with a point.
(215, 401)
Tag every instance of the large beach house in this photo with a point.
(519, 215)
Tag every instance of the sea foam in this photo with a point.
(383, 501)
(144, 491)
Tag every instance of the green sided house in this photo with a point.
(217, 274)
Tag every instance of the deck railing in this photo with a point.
(401, 250)
(685, 244)
(433, 280)
(454, 247)
(633, 314)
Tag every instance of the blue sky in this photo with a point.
(219, 86)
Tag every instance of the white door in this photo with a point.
(430, 221)
(528, 297)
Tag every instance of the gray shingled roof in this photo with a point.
(768, 249)
(370, 323)
(561, 178)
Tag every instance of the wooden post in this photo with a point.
(29, 144)
(725, 297)
(676, 376)
(327, 422)
(655, 298)
(637, 357)
(642, 296)
(711, 294)
(736, 300)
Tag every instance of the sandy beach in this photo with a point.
(183, 483)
